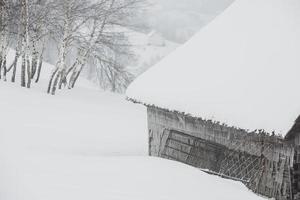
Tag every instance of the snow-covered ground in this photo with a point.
(118, 178)
(87, 144)
(83, 121)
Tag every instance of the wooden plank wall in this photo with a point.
(204, 144)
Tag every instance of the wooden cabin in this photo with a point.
(220, 101)
(262, 162)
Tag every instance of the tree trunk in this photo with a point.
(39, 69)
(62, 79)
(14, 67)
(51, 80)
(25, 46)
(74, 76)
(40, 64)
(55, 83)
(34, 61)
(28, 72)
(34, 66)
(1, 35)
(1, 63)
(23, 71)
(17, 56)
(4, 69)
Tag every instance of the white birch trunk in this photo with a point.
(82, 59)
(3, 39)
(40, 61)
(25, 47)
(59, 73)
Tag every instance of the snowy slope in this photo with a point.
(89, 144)
(80, 118)
(178, 20)
(242, 69)
(120, 178)
(146, 54)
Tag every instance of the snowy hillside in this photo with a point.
(178, 20)
(69, 147)
(147, 54)
(89, 144)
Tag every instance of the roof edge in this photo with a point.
(294, 130)
(200, 118)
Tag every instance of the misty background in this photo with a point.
(178, 20)
(173, 21)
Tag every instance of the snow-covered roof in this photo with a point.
(243, 69)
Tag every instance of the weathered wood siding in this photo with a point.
(208, 145)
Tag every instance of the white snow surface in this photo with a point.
(146, 54)
(86, 144)
(242, 69)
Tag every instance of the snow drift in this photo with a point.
(89, 144)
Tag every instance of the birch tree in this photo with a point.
(71, 16)
(40, 19)
(94, 29)
(106, 37)
(28, 29)
(99, 21)
(4, 34)
(26, 68)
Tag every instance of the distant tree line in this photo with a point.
(93, 28)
